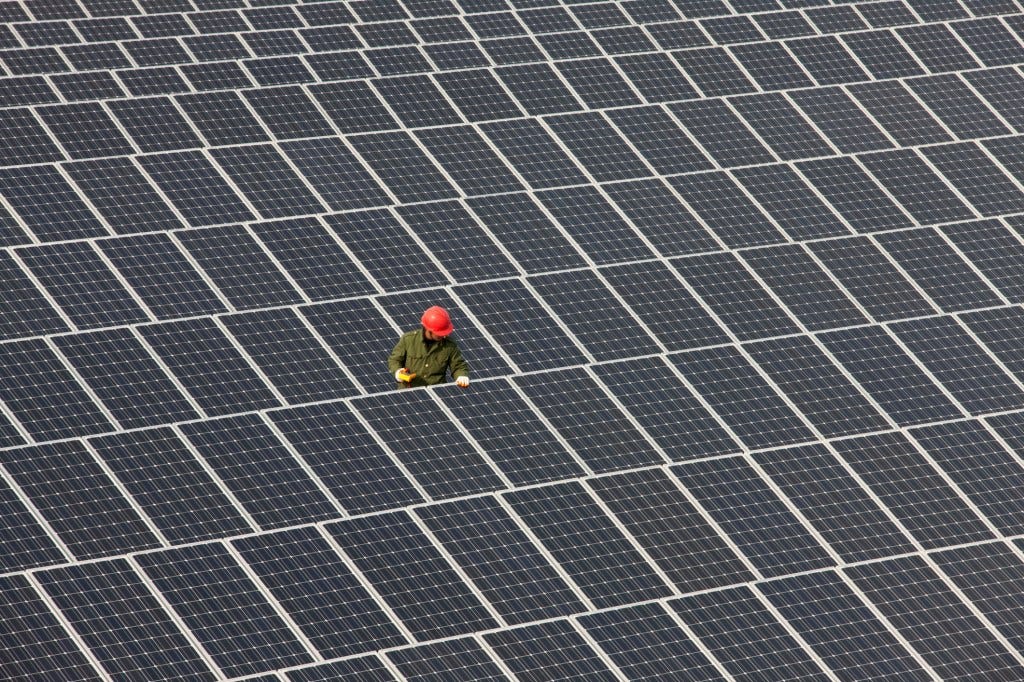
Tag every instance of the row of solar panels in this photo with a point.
(909, 52)
(302, 595)
(501, 37)
(539, 322)
(552, 425)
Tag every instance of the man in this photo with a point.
(425, 356)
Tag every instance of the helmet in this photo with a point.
(436, 319)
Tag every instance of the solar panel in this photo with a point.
(738, 284)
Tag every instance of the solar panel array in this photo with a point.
(740, 283)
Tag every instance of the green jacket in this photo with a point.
(430, 360)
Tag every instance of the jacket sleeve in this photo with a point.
(396, 360)
(457, 364)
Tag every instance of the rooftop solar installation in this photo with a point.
(739, 284)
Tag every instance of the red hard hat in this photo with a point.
(436, 320)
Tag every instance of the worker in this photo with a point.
(425, 356)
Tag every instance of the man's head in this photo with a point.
(436, 323)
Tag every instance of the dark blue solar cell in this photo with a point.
(24, 310)
(977, 178)
(781, 126)
(597, 145)
(386, 249)
(240, 269)
(1002, 90)
(289, 355)
(839, 509)
(123, 625)
(841, 629)
(24, 140)
(429, 662)
(594, 224)
(209, 367)
(189, 504)
(451, 467)
(365, 352)
(727, 209)
(161, 275)
(77, 499)
(122, 195)
(853, 194)
(417, 101)
(991, 576)
(713, 71)
(274, 487)
(288, 112)
(513, 435)
(82, 284)
(529, 235)
(264, 177)
(735, 296)
(873, 281)
(956, 360)
(933, 619)
(538, 89)
(645, 643)
(794, 205)
(224, 609)
(826, 59)
(354, 467)
(1002, 332)
(411, 575)
(469, 160)
(195, 187)
(883, 54)
(804, 287)
(44, 396)
(672, 415)
(335, 173)
(771, 66)
(721, 133)
(587, 544)
(916, 493)
(222, 118)
(85, 130)
(313, 258)
(549, 651)
(894, 108)
(588, 420)
(478, 94)
(507, 568)
(741, 397)
(658, 296)
(938, 269)
(509, 311)
(457, 240)
(312, 584)
(653, 508)
(991, 41)
(593, 314)
(155, 124)
(598, 83)
(365, 669)
(836, 115)
(996, 251)
(921, 192)
(403, 167)
(816, 386)
(353, 107)
(123, 375)
(661, 217)
(37, 646)
(890, 376)
(26, 542)
(747, 508)
(51, 208)
(981, 467)
(963, 112)
(744, 635)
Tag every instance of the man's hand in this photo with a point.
(404, 375)
(462, 382)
